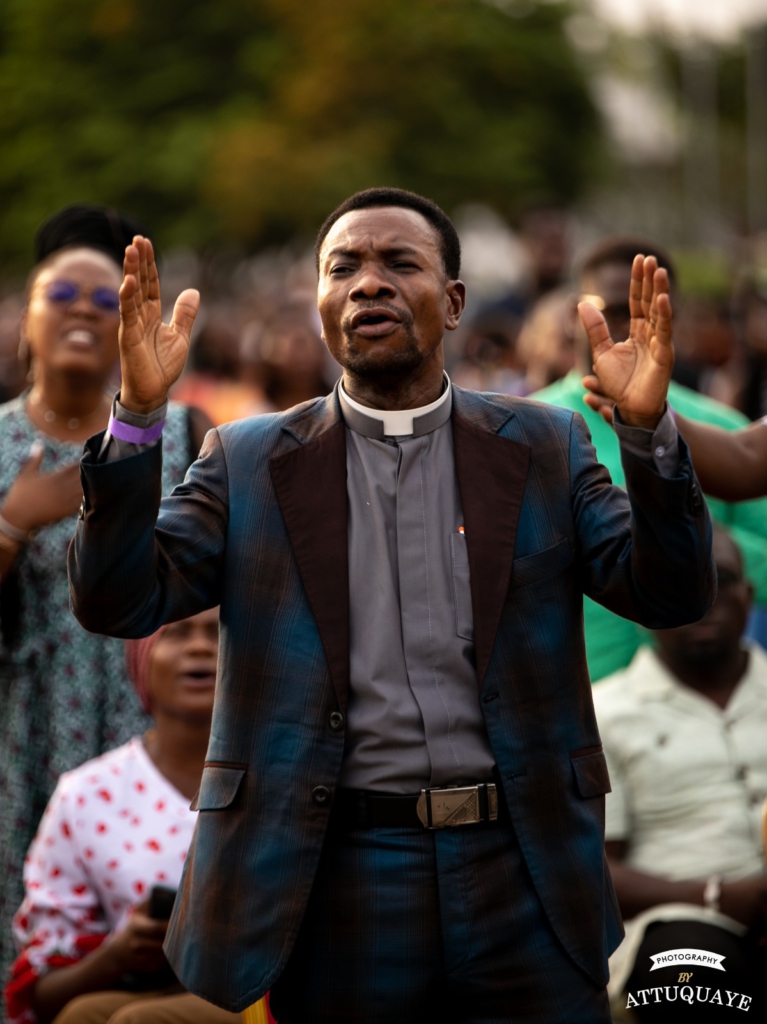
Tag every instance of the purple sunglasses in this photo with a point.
(105, 299)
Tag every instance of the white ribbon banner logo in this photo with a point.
(680, 957)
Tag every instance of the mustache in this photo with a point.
(404, 317)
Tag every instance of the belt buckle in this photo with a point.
(457, 805)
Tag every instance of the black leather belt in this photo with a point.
(443, 807)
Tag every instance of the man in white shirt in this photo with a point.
(684, 729)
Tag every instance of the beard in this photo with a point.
(377, 360)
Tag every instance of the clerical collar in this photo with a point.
(381, 423)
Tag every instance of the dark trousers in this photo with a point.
(405, 925)
(658, 993)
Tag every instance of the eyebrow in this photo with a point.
(396, 250)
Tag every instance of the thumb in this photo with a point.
(185, 311)
(596, 328)
(32, 466)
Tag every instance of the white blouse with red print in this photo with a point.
(114, 828)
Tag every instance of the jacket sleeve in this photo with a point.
(137, 561)
(648, 557)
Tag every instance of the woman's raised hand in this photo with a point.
(152, 354)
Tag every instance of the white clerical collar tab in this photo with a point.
(379, 423)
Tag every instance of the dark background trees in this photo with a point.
(244, 121)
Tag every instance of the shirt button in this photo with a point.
(321, 795)
(741, 773)
(660, 451)
(336, 720)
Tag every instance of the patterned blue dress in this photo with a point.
(64, 693)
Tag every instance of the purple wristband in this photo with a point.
(135, 435)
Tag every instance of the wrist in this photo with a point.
(129, 402)
(644, 422)
(15, 525)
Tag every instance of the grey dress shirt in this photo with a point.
(414, 718)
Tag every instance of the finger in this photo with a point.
(635, 288)
(185, 311)
(591, 382)
(32, 466)
(596, 329)
(129, 290)
(153, 277)
(148, 928)
(648, 273)
(605, 409)
(129, 307)
(663, 329)
(143, 275)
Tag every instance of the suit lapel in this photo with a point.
(310, 483)
(491, 472)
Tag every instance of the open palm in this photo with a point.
(152, 354)
(635, 373)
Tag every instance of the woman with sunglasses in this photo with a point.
(64, 693)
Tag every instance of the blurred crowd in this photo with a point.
(69, 696)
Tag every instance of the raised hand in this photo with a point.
(152, 354)
(635, 373)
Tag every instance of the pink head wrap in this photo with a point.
(137, 657)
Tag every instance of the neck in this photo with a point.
(715, 678)
(178, 748)
(382, 391)
(70, 395)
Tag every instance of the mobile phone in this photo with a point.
(161, 900)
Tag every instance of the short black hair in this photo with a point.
(86, 226)
(623, 249)
(450, 245)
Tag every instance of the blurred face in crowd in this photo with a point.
(292, 348)
(71, 320)
(755, 324)
(182, 669)
(384, 297)
(546, 236)
(714, 639)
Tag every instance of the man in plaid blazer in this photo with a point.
(326, 865)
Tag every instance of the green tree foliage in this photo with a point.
(247, 120)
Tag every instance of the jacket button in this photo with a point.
(321, 795)
(336, 720)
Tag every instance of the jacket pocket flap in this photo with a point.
(591, 775)
(541, 564)
(218, 787)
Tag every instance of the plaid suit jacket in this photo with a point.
(259, 527)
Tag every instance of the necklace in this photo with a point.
(72, 422)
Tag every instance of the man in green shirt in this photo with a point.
(610, 640)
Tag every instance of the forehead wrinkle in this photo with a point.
(386, 239)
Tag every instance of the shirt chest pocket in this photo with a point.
(459, 555)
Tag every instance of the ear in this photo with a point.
(455, 292)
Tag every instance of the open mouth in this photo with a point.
(80, 338)
(199, 679)
(374, 323)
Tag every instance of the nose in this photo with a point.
(83, 306)
(200, 642)
(371, 284)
